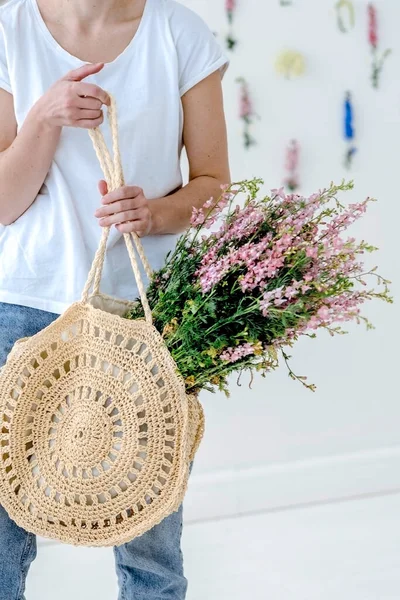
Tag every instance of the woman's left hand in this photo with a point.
(127, 208)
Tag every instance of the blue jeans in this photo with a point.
(149, 567)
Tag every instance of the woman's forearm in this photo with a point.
(24, 165)
(171, 214)
(69, 102)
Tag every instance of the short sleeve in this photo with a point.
(4, 75)
(199, 52)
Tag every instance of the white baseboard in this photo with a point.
(234, 492)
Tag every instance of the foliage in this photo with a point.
(273, 269)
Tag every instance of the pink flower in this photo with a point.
(198, 217)
(313, 323)
(234, 354)
(278, 193)
(324, 313)
(209, 203)
(264, 306)
(279, 301)
(312, 252)
(291, 292)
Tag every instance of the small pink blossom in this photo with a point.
(312, 252)
(279, 192)
(198, 217)
(323, 313)
(234, 354)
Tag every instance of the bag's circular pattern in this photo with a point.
(97, 432)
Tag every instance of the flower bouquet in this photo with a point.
(268, 271)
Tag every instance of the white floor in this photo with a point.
(347, 550)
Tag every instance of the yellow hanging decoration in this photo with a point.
(290, 63)
(342, 7)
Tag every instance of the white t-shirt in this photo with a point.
(46, 254)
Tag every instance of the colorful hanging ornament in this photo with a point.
(291, 165)
(290, 63)
(246, 112)
(377, 63)
(230, 7)
(345, 15)
(349, 133)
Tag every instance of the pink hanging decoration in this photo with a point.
(291, 166)
(377, 63)
(246, 112)
(230, 7)
(373, 26)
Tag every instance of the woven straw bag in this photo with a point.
(97, 432)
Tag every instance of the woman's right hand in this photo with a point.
(70, 102)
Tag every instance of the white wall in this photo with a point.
(352, 423)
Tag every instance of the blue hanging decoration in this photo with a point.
(349, 133)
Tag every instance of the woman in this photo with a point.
(58, 63)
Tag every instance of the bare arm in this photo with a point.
(25, 158)
(206, 145)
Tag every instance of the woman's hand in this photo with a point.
(71, 102)
(127, 208)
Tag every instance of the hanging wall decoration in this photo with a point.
(230, 7)
(345, 15)
(290, 63)
(291, 165)
(246, 112)
(377, 63)
(349, 133)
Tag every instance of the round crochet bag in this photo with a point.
(97, 432)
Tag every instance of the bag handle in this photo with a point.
(112, 169)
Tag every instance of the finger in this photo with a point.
(89, 103)
(82, 72)
(88, 114)
(122, 217)
(130, 227)
(126, 191)
(89, 123)
(117, 207)
(103, 187)
(92, 91)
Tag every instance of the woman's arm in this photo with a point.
(25, 158)
(205, 138)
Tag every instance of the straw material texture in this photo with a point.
(97, 432)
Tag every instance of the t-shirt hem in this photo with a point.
(52, 306)
(221, 64)
(5, 86)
